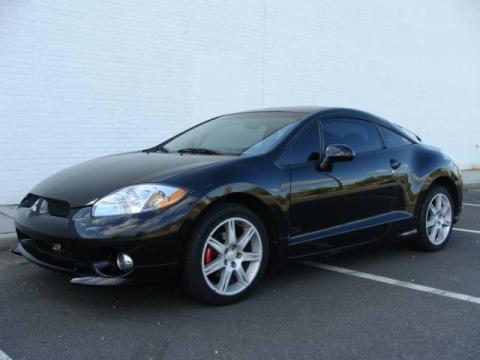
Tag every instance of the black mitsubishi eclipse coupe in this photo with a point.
(228, 196)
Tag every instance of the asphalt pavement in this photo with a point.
(384, 302)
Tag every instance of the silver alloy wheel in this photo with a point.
(439, 219)
(231, 256)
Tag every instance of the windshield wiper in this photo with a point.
(157, 148)
(199, 151)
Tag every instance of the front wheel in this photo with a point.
(436, 220)
(226, 256)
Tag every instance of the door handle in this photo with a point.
(395, 164)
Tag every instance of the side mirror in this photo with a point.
(334, 153)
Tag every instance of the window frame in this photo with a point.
(396, 132)
(373, 123)
(291, 142)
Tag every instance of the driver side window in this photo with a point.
(305, 146)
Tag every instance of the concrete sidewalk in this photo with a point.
(7, 212)
(7, 229)
(471, 179)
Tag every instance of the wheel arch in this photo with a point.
(271, 215)
(447, 183)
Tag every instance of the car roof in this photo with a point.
(326, 111)
(297, 109)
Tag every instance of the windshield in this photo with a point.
(236, 134)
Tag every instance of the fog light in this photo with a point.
(124, 262)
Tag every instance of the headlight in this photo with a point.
(136, 199)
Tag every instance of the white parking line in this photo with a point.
(467, 230)
(395, 282)
(4, 356)
(470, 204)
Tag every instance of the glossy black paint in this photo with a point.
(308, 208)
(335, 153)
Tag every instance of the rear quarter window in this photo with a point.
(393, 139)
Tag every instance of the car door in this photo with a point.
(400, 154)
(349, 203)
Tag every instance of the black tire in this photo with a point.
(193, 279)
(422, 241)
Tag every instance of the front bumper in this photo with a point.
(98, 280)
(20, 250)
(81, 244)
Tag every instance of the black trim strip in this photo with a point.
(377, 220)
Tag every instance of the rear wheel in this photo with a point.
(226, 256)
(436, 220)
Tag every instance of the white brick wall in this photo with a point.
(80, 79)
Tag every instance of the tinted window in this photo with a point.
(406, 132)
(360, 135)
(233, 134)
(270, 141)
(392, 139)
(305, 146)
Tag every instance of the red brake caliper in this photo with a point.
(210, 255)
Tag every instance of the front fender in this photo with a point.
(276, 203)
(437, 168)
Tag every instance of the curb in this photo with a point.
(7, 241)
(471, 187)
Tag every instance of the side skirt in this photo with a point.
(383, 219)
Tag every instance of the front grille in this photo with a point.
(28, 200)
(53, 248)
(55, 207)
(48, 257)
(58, 208)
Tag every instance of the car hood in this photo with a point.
(81, 184)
